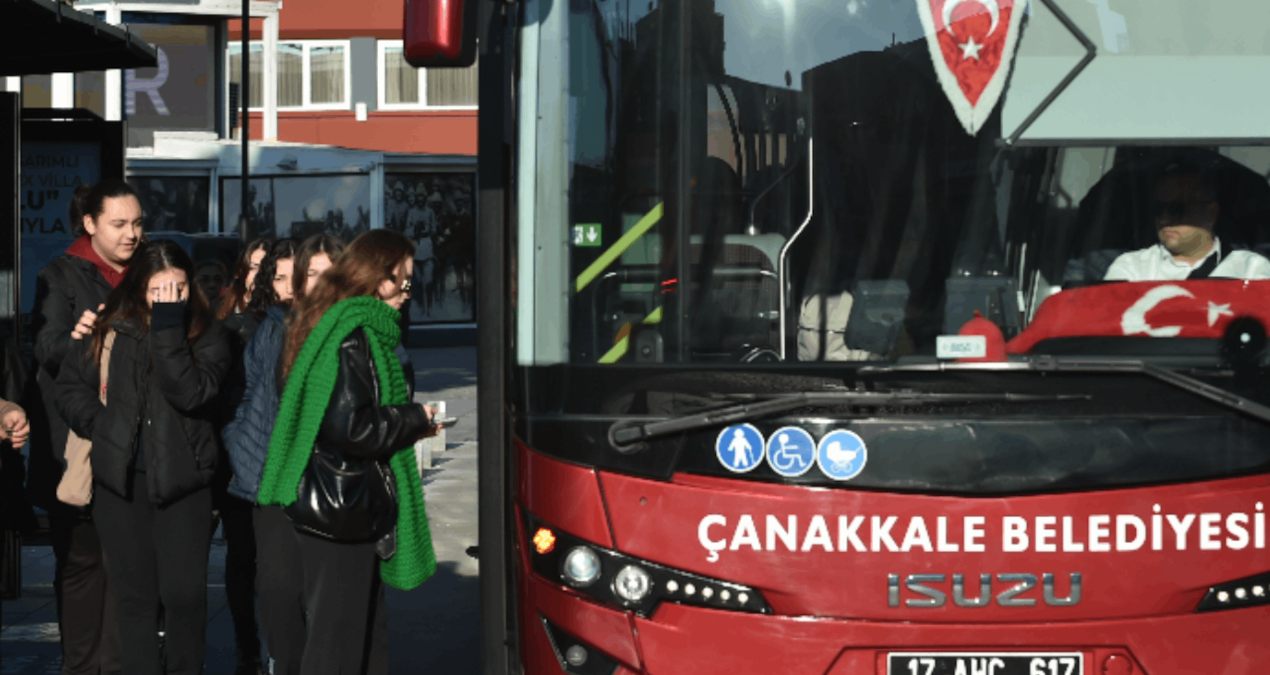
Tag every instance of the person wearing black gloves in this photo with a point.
(154, 451)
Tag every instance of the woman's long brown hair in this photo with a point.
(370, 260)
(238, 295)
(128, 301)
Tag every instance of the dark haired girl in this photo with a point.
(315, 256)
(241, 324)
(154, 452)
(69, 292)
(246, 441)
(235, 299)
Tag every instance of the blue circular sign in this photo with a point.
(842, 455)
(740, 448)
(791, 451)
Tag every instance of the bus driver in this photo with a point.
(1185, 212)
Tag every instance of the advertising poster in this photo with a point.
(50, 173)
(178, 94)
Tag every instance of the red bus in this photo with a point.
(922, 337)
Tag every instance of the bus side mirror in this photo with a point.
(440, 33)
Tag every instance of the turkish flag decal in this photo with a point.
(1185, 309)
(972, 43)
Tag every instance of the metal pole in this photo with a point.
(494, 456)
(244, 99)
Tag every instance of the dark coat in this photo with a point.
(355, 423)
(247, 435)
(239, 329)
(63, 290)
(159, 383)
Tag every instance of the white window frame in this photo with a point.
(308, 72)
(306, 83)
(381, 72)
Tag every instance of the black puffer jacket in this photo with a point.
(63, 290)
(157, 383)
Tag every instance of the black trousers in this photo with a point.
(348, 614)
(158, 556)
(85, 599)
(280, 585)
(240, 574)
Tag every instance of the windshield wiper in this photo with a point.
(625, 433)
(1200, 388)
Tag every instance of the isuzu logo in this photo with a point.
(1013, 590)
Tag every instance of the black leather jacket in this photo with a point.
(355, 423)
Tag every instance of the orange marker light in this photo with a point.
(544, 540)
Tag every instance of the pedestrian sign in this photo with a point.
(739, 448)
(587, 234)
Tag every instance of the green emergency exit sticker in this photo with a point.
(587, 234)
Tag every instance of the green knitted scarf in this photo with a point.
(303, 405)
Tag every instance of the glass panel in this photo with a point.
(173, 203)
(178, 94)
(815, 181)
(290, 75)
(401, 80)
(452, 86)
(37, 91)
(257, 72)
(90, 92)
(260, 216)
(436, 211)
(327, 75)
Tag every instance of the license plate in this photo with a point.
(985, 663)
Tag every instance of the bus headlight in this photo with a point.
(581, 567)
(625, 581)
(1248, 592)
(632, 584)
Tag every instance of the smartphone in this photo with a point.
(445, 422)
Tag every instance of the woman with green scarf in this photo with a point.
(344, 410)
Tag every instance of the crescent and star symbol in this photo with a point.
(969, 49)
(1135, 321)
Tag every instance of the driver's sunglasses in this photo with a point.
(1174, 209)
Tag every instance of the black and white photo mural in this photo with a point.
(299, 206)
(173, 203)
(436, 210)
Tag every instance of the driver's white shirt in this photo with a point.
(1155, 263)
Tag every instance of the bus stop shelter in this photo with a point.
(40, 37)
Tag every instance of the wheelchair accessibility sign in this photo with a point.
(791, 452)
(740, 448)
(842, 455)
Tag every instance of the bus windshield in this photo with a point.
(800, 182)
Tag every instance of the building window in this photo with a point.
(257, 71)
(404, 87)
(312, 74)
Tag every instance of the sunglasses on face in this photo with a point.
(1174, 209)
(405, 285)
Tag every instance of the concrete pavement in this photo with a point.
(432, 629)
